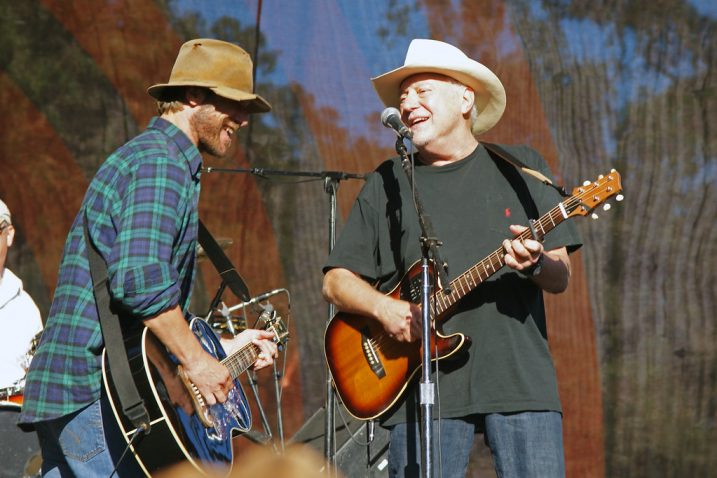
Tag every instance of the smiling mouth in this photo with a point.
(418, 120)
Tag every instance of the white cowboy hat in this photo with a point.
(223, 67)
(432, 56)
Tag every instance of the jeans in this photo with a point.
(86, 443)
(523, 445)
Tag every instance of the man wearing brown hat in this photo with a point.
(141, 216)
(504, 384)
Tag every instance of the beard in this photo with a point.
(209, 125)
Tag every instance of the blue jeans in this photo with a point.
(523, 445)
(86, 443)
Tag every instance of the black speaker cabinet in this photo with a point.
(355, 457)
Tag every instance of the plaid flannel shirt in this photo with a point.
(141, 209)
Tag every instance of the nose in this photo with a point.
(409, 102)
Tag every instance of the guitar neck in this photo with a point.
(476, 275)
(241, 360)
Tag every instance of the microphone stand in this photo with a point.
(331, 185)
(429, 247)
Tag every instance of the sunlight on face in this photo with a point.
(430, 106)
(216, 123)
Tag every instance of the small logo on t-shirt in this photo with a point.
(507, 212)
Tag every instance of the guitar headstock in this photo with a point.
(590, 195)
(272, 322)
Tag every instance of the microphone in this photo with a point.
(391, 118)
(258, 298)
(263, 296)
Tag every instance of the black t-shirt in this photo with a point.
(471, 203)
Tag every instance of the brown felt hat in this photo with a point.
(223, 67)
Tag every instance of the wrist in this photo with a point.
(534, 269)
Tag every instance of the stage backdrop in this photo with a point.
(592, 85)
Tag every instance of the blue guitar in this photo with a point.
(183, 426)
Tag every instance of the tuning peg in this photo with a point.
(586, 183)
(594, 216)
(600, 177)
(606, 207)
(619, 197)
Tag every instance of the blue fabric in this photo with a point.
(455, 436)
(86, 443)
(526, 445)
(523, 445)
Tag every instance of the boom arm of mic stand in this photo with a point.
(334, 175)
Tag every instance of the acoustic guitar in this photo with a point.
(183, 426)
(371, 371)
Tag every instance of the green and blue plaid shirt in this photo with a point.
(141, 209)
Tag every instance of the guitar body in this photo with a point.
(370, 370)
(177, 433)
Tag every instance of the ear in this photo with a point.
(10, 235)
(195, 95)
(467, 100)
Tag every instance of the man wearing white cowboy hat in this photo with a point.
(141, 215)
(504, 384)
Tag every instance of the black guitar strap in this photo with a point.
(222, 263)
(506, 156)
(132, 404)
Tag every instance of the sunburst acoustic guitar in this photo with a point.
(371, 371)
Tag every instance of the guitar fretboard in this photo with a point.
(470, 279)
(242, 359)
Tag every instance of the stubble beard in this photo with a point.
(208, 126)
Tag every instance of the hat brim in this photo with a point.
(490, 93)
(254, 102)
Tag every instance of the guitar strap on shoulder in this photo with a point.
(518, 164)
(223, 265)
(132, 404)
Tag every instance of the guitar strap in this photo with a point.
(498, 151)
(132, 404)
(222, 263)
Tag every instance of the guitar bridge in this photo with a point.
(369, 351)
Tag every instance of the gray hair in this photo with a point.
(474, 109)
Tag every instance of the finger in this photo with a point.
(221, 396)
(508, 247)
(209, 398)
(267, 348)
(519, 250)
(534, 247)
(510, 261)
(263, 335)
